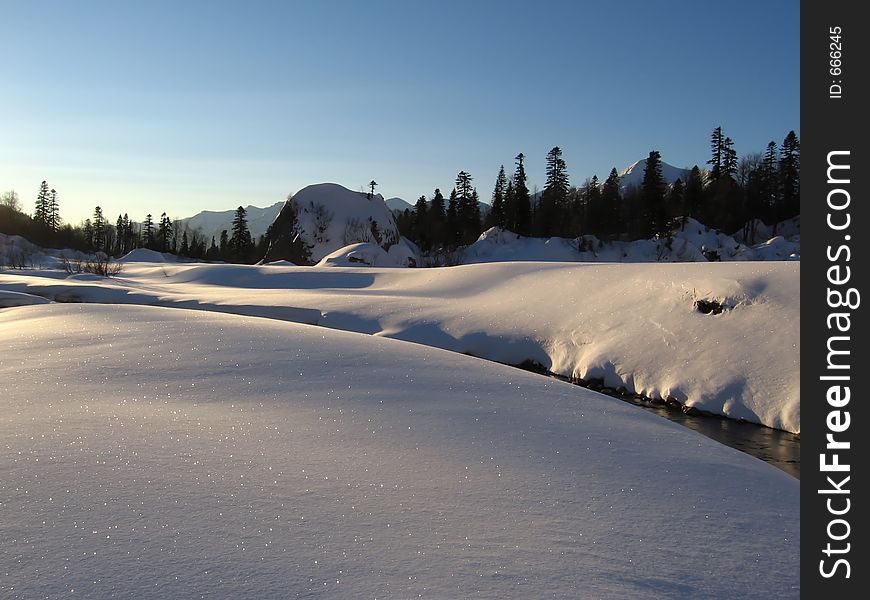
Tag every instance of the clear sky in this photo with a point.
(184, 106)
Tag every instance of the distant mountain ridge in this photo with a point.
(211, 222)
(632, 176)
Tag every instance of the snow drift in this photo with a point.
(638, 326)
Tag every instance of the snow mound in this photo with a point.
(370, 255)
(144, 255)
(326, 217)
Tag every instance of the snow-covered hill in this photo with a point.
(157, 453)
(633, 174)
(322, 218)
(211, 223)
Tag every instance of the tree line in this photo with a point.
(730, 192)
(98, 235)
(727, 195)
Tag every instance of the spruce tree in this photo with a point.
(99, 229)
(716, 161)
(240, 242)
(521, 219)
(789, 176)
(52, 212)
(607, 221)
(729, 158)
(148, 231)
(422, 226)
(551, 214)
(185, 247)
(40, 211)
(693, 195)
(437, 220)
(453, 224)
(496, 217)
(652, 192)
(164, 233)
(225, 244)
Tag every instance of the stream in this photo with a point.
(782, 449)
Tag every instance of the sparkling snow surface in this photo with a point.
(162, 453)
(634, 325)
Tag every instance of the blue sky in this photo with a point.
(185, 106)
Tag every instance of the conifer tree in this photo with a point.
(521, 218)
(729, 158)
(437, 220)
(99, 230)
(716, 161)
(185, 247)
(693, 195)
(496, 217)
(240, 242)
(652, 191)
(164, 233)
(225, 244)
(422, 226)
(551, 210)
(789, 176)
(88, 231)
(148, 231)
(769, 179)
(40, 211)
(52, 212)
(607, 221)
(453, 232)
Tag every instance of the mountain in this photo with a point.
(633, 175)
(211, 222)
(322, 218)
(398, 204)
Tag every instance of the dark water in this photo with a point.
(779, 448)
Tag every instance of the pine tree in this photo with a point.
(467, 210)
(120, 239)
(185, 247)
(372, 185)
(241, 244)
(674, 203)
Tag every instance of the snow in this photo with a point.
(632, 176)
(157, 453)
(9, 299)
(694, 242)
(399, 204)
(633, 325)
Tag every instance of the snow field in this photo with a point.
(156, 453)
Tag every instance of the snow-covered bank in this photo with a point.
(634, 325)
(156, 453)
